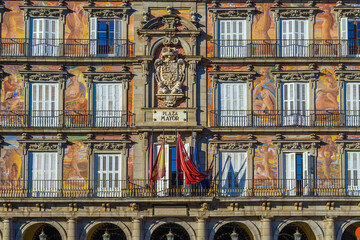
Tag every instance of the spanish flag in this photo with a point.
(158, 170)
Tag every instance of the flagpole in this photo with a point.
(177, 171)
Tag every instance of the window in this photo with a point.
(295, 104)
(352, 99)
(352, 166)
(106, 37)
(294, 38)
(108, 175)
(44, 105)
(232, 39)
(233, 167)
(44, 174)
(233, 104)
(45, 37)
(350, 36)
(296, 174)
(108, 105)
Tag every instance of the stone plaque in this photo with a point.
(177, 210)
(170, 116)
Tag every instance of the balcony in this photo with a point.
(284, 118)
(146, 189)
(66, 119)
(25, 47)
(299, 48)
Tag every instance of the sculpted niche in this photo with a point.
(170, 76)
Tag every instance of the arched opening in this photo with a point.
(287, 233)
(230, 230)
(164, 230)
(112, 230)
(349, 233)
(46, 230)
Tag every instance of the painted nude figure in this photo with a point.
(327, 96)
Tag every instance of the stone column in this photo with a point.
(329, 228)
(201, 229)
(136, 229)
(266, 229)
(71, 229)
(6, 229)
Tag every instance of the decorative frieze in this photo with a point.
(42, 145)
(342, 11)
(233, 13)
(294, 12)
(343, 75)
(296, 145)
(345, 144)
(45, 76)
(233, 145)
(233, 76)
(310, 76)
(59, 12)
(98, 77)
(108, 12)
(107, 145)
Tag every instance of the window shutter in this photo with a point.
(344, 36)
(289, 173)
(93, 36)
(352, 104)
(108, 175)
(120, 44)
(289, 103)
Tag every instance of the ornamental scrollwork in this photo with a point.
(347, 145)
(43, 146)
(48, 12)
(308, 145)
(296, 75)
(46, 145)
(297, 145)
(347, 75)
(294, 12)
(105, 145)
(108, 146)
(228, 13)
(347, 12)
(45, 76)
(235, 76)
(108, 12)
(235, 146)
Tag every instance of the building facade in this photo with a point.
(266, 95)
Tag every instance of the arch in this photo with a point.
(316, 229)
(31, 223)
(344, 226)
(180, 222)
(156, 22)
(250, 225)
(159, 42)
(94, 224)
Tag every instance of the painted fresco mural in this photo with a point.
(327, 92)
(328, 161)
(265, 162)
(10, 163)
(76, 165)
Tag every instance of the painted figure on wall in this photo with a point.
(264, 92)
(327, 92)
(76, 162)
(75, 93)
(265, 163)
(327, 158)
(328, 22)
(10, 164)
(75, 21)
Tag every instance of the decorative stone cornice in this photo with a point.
(232, 13)
(104, 77)
(108, 145)
(42, 145)
(296, 144)
(167, 26)
(347, 76)
(294, 12)
(345, 144)
(346, 12)
(295, 76)
(45, 12)
(108, 12)
(233, 76)
(233, 145)
(45, 76)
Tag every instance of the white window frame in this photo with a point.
(352, 171)
(352, 103)
(289, 174)
(232, 38)
(293, 114)
(120, 48)
(106, 185)
(294, 41)
(43, 42)
(44, 182)
(108, 105)
(238, 185)
(232, 109)
(44, 111)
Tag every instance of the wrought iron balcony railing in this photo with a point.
(66, 119)
(284, 118)
(66, 48)
(166, 188)
(286, 48)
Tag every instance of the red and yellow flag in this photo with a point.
(158, 170)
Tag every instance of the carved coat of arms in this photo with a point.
(170, 76)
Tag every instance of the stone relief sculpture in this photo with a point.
(170, 76)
